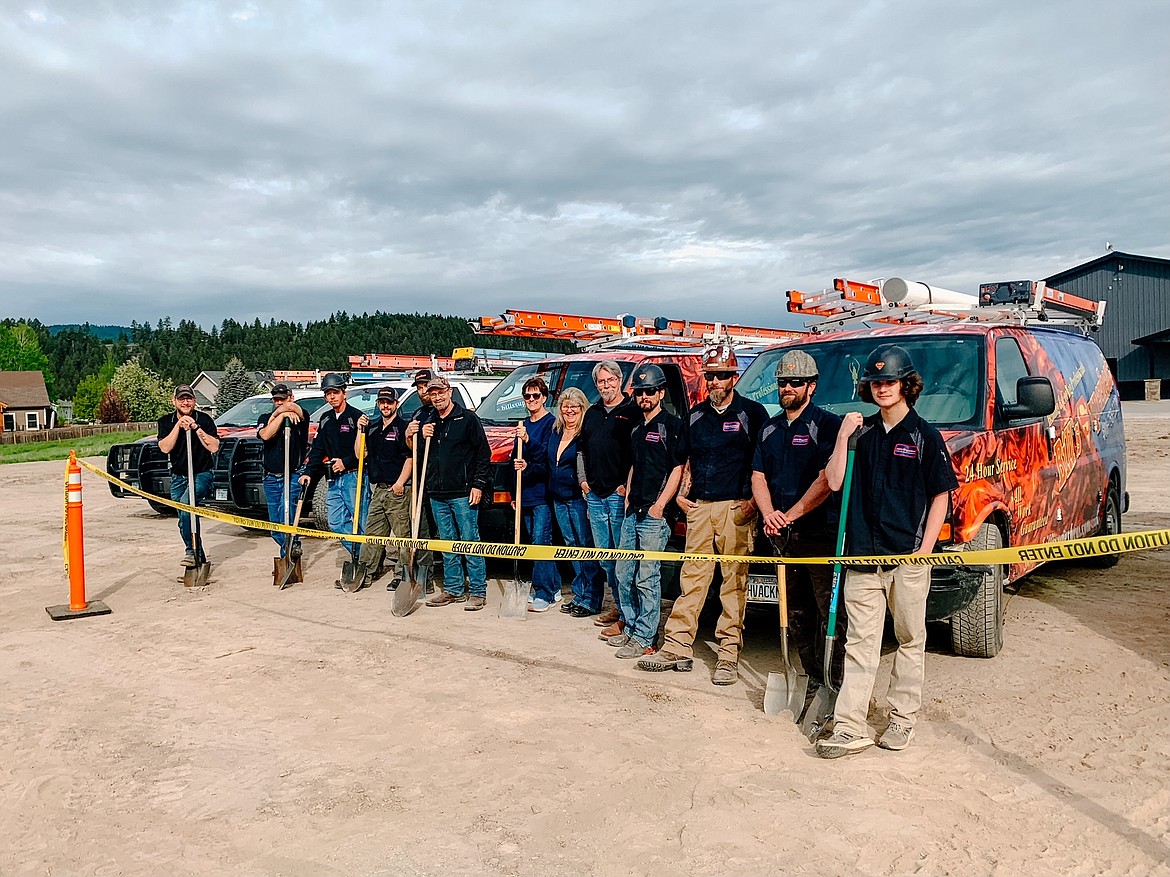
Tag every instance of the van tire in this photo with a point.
(977, 630)
(320, 515)
(1110, 526)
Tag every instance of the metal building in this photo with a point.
(1135, 335)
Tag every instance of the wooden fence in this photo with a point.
(26, 436)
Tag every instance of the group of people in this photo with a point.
(606, 473)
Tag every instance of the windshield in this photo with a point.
(367, 402)
(951, 369)
(248, 412)
(505, 403)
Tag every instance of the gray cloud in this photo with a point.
(208, 160)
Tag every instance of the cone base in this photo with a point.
(64, 613)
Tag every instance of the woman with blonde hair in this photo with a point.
(564, 491)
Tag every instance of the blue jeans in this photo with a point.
(339, 504)
(605, 519)
(274, 493)
(589, 579)
(203, 485)
(640, 581)
(458, 521)
(546, 578)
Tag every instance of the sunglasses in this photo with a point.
(791, 382)
(718, 376)
(644, 392)
(534, 395)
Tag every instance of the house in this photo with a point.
(206, 385)
(25, 401)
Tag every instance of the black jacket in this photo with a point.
(603, 448)
(460, 456)
(335, 440)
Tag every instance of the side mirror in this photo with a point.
(1034, 398)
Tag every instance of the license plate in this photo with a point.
(761, 589)
(221, 494)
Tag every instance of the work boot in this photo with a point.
(294, 553)
(444, 599)
(189, 559)
(726, 673)
(620, 640)
(663, 660)
(842, 743)
(474, 604)
(613, 630)
(393, 584)
(633, 649)
(608, 618)
(896, 737)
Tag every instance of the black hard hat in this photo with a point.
(333, 381)
(649, 377)
(887, 363)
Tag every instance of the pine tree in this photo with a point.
(236, 386)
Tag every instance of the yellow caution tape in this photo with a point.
(1072, 549)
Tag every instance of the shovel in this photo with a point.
(281, 564)
(820, 711)
(196, 576)
(292, 564)
(353, 576)
(515, 603)
(407, 594)
(787, 690)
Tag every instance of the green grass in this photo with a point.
(90, 446)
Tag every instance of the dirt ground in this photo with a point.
(241, 730)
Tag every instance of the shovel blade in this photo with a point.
(353, 576)
(286, 572)
(196, 576)
(785, 692)
(819, 712)
(515, 602)
(405, 597)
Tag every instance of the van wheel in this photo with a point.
(1110, 526)
(977, 630)
(319, 513)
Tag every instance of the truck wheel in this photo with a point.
(319, 514)
(1110, 526)
(977, 630)
(164, 510)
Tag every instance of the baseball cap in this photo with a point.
(438, 383)
(184, 391)
(387, 393)
(422, 375)
(281, 390)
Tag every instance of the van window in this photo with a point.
(951, 366)
(1009, 368)
(675, 400)
(504, 404)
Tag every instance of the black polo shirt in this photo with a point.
(721, 447)
(791, 454)
(656, 448)
(896, 474)
(336, 439)
(201, 458)
(604, 447)
(274, 447)
(387, 449)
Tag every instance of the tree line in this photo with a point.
(176, 353)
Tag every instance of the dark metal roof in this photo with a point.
(1102, 260)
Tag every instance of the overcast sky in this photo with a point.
(282, 158)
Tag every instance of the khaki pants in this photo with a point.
(387, 514)
(712, 527)
(905, 588)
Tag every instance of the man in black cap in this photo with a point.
(173, 430)
(286, 414)
(336, 442)
(389, 466)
